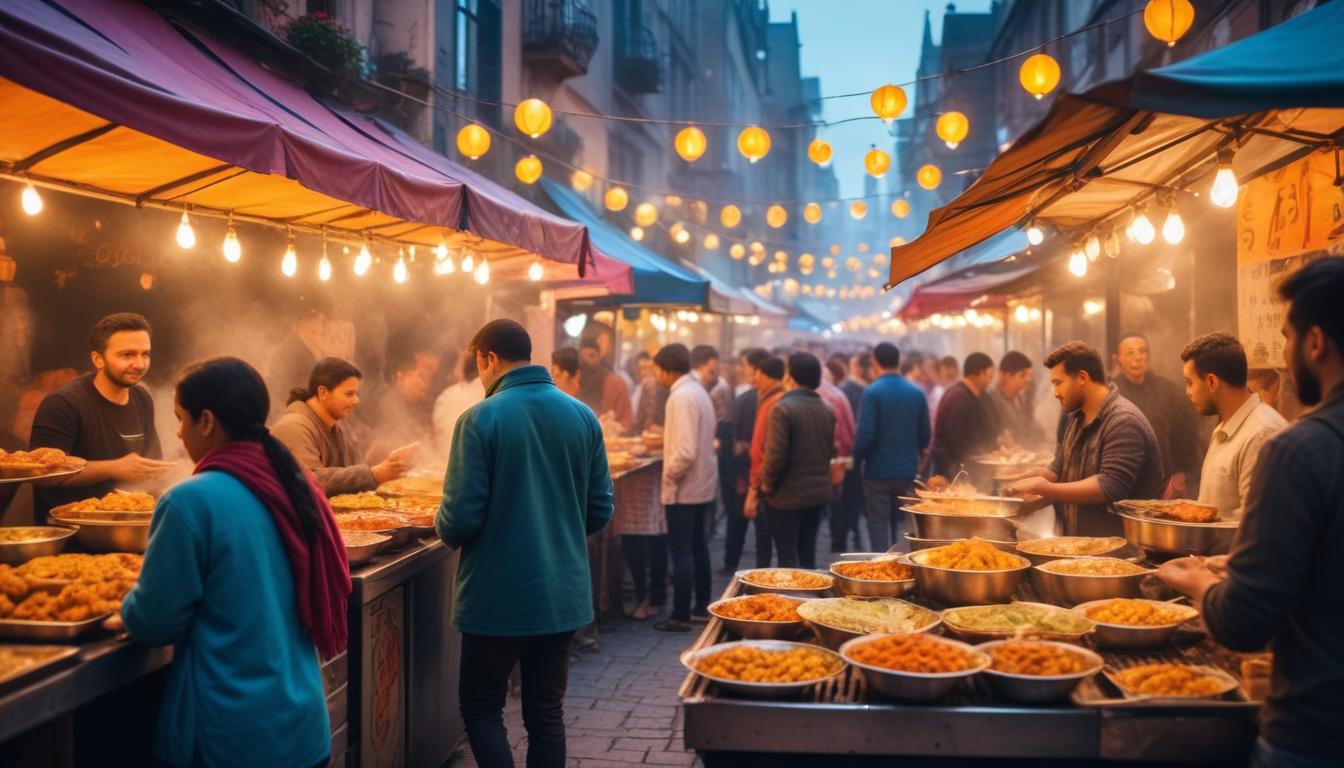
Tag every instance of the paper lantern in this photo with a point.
(646, 214)
(730, 216)
(900, 208)
(737, 251)
(876, 162)
(929, 177)
(776, 216)
(858, 209)
(473, 141)
(532, 117)
(888, 102)
(581, 181)
(812, 213)
(952, 127)
(819, 151)
(835, 249)
(711, 242)
(528, 169)
(690, 143)
(753, 142)
(1168, 20)
(1039, 74)
(616, 199)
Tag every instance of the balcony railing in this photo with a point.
(637, 61)
(561, 34)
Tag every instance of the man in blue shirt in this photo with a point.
(893, 430)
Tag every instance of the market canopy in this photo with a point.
(110, 98)
(1270, 98)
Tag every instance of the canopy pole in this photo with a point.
(55, 149)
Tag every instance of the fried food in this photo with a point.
(421, 517)
(369, 521)
(364, 500)
(1072, 546)
(36, 457)
(874, 570)
(787, 578)
(1018, 619)
(1189, 512)
(759, 608)
(11, 583)
(116, 501)
(970, 555)
(864, 616)
(413, 485)
(758, 665)
(97, 585)
(914, 653)
(1166, 679)
(1139, 613)
(361, 538)
(1093, 566)
(937, 484)
(1035, 658)
(81, 567)
(30, 534)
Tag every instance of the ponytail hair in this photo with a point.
(235, 393)
(329, 372)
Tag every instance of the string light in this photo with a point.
(888, 102)
(468, 263)
(528, 169)
(30, 200)
(711, 242)
(876, 162)
(900, 208)
(819, 151)
(1021, 314)
(690, 143)
(399, 272)
(532, 117)
(1168, 20)
(1224, 191)
(616, 199)
(812, 213)
(1078, 263)
(776, 216)
(289, 265)
(1173, 229)
(581, 180)
(637, 233)
(730, 216)
(324, 265)
(646, 214)
(1142, 230)
(186, 236)
(363, 261)
(952, 127)
(858, 209)
(535, 271)
(1112, 244)
(232, 247)
(1039, 75)
(929, 176)
(753, 142)
(1092, 248)
(1035, 235)
(482, 272)
(473, 141)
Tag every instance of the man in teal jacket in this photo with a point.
(527, 483)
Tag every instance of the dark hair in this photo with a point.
(805, 369)
(236, 394)
(1131, 335)
(838, 357)
(590, 344)
(1078, 357)
(976, 362)
(746, 353)
(116, 323)
(912, 361)
(887, 355)
(1220, 354)
(329, 372)
(948, 362)
(1014, 363)
(836, 368)
(566, 359)
(703, 354)
(756, 357)
(1313, 291)
(772, 368)
(506, 338)
(469, 370)
(674, 358)
(864, 360)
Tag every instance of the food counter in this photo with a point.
(636, 496)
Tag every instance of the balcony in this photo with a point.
(637, 61)
(560, 35)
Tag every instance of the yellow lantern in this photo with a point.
(753, 142)
(782, 257)
(737, 251)
(1168, 20)
(1039, 74)
(828, 263)
(812, 213)
(528, 169)
(690, 143)
(896, 241)
(888, 102)
(877, 163)
(819, 151)
(900, 208)
(952, 127)
(646, 214)
(807, 260)
(711, 242)
(858, 209)
(532, 117)
(473, 141)
(730, 216)
(757, 247)
(616, 199)
(863, 248)
(776, 216)
(581, 181)
(853, 264)
(835, 249)
(928, 176)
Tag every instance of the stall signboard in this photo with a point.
(1284, 218)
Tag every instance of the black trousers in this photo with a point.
(736, 536)
(487, 663)
(686, 524)
(646, 557)
(795, 535)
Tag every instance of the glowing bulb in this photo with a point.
(682, 236)
(289, 265)
(1173, 229)
(233, 249)
(535, 272)
(441, 251)
(1035, 235)
(1078, 263)
(711, 242)
(1021, 314)
(399, 272)
(1112, 245)
(324, 269)
(30, 200)
(186, 236)
(468, 263)
(1092, 248)
(363, 261)
(637, 233)
(1224, 191)
(1142, 229)
(482, 272)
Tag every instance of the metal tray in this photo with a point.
(66, 470)
(52, 659)
(19, 552)
(49, 631)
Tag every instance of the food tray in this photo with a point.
(15, 474)
(49, 631)
(46, 660)
(1101, 690)
(759, 690)
(19, 552)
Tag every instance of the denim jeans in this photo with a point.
(690, 558)
(1266, 755)
(486, 665)
(646, 557)
(795, 535)
(886, 521)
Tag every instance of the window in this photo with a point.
(476, 49)
(468, 23)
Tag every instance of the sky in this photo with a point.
(857, 45)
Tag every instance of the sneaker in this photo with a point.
(673, 625)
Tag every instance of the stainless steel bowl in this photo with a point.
(1070, 589)
(1115, 544)
(48, 540)
(363, 553)
(954, 588)
(750, 629)
(760, 589)
(1130, 638)
(833, 637)
(1039, 689)
(846, 585)
(108, 535)
(50, 631)
(917, 543)
(1175, 537)
(912, 686)
(759, 690)
(976, 635)
(931, 525)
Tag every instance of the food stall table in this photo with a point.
(636, 495)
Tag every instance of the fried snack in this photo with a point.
(757, 665)
(116, 501)
(364, 500)
(1093, 566)
(937, 483)
(1138, 613)
(112, 567)
(37, 456)
(369, 521)
(1018, 618)
(1028, 658)
(97, 585)
(864, 616)
(913, 653)
(759, 608)
(419, 517)
(413, 485)
(970, 555)
(28, 534)
(1072, 546)
(874, 570)
(1189, 512)
(787, 578)
(1166, 679)
(11, 583)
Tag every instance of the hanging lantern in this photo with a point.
(853, 264)
(737, 251)
(928, 176)
(680, 233)
(1092, 248)
(812, 213)
(528, 169)
(1039, 74)
(952, 127)
(186, 235)
(711, 242)
(473, 141)
(646, 214)
(1168, 20)
(690, 143)
(1035, 235)
(533, 117)
(1141, 230)
(363, 261)
(581, 181)
(863, 248)
(637, 234)
(835, 249)
(819, 151)
(289, 263)
(807, 260)
(1173, 228)
(900, 208)
(1078, 263)
(753, 142)
(876, 162)
(730, 216)
(776, 216)
(616, 199)
(757, 247)
(858, 209)
(888, 102)
(535, 271)
(233, 248)
(1224, 191)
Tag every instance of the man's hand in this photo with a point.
(1190, 576)
(1217, 564)
(134, 468)
(406, 455)
(750, 508)
(1176, 488)
(1028, 486)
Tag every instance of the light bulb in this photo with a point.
(186, 236)
(535, 272)
(447, 266)
(363, 261)
(399, 272)
(682, 236)
(468, 263)
(441, 251)
(1112, 245)
(482, 272)
(30, 200)
(324, 269)
(233, 249)
(289, 265)
(1142, 229)
(1092, 248)
(1078, 263)
(1173, 229)
(1021, 314)
(1224, 191)
(1035, 235)
(637, 233)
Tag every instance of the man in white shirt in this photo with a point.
(1214, 366)
(690, 482)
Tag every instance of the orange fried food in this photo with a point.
(1093, 566)
(1165, 679)
(914, 653)
(936, 483)
(787, 578)
(875, 570)
(1072, 546)
(971, 555)
(1028, 658)
(1190, 512)
(759, 608)
(1138, 613)
(757, 665)
(372, 521)
(366, 500)
(47, 456)
(12, 584)
(116, 501)
(120, 565)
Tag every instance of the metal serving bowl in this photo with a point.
(1176, 537)
(759, 690)
(975, 634)
(834, 637)
(912, 686)
(847, 585)
(758, 589)
(107, 535)
(1069, 589)
(360, 554)
(46, 540)
(752, 629)
(917, 543)
(1039, 689)
(935, 525)
(1114, 544)
(1134, 638)
(952, 588)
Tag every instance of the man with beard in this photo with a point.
(105, 417)
(1280, 584)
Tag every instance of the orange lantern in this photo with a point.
(929, 177)
(581, 181)
(690, 143)
(819, 151)
(776, 216)
(888, 102)
(877, 163)
(753, 142)
(1039, 74)
(900, 208)
(730, 216)
(858, 209)
(473, 141)
(1168, 20)
(528, 169)
(646, 214)
(952, 127)
(532, 117)
(616, 199)
(812, 213)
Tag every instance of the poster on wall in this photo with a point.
(1284, 219)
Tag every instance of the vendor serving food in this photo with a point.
(314, 430)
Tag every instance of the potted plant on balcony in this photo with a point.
(322, 39)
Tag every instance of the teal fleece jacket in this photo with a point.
(527, 483)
